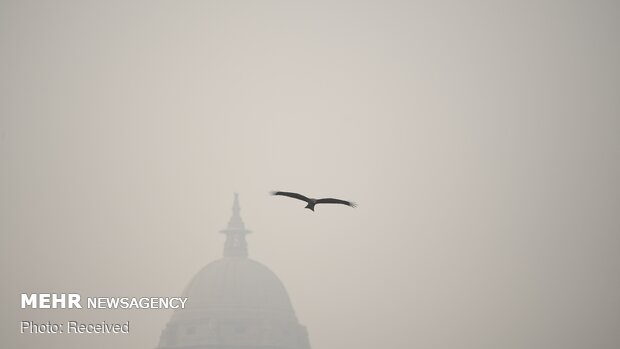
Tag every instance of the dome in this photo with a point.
(235, 302)
(241, 284)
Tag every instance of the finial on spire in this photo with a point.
(235, 245)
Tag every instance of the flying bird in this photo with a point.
(311, 202)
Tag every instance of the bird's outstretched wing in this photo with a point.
(291, 195)
(336, 201)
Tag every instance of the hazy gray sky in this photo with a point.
(480, 140)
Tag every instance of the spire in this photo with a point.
(235, 245)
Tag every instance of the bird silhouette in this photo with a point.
(312, 202)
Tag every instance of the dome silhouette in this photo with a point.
(237, 283)
(235, 302)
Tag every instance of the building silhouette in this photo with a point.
(235, 302)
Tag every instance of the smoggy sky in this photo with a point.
(480, 140)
